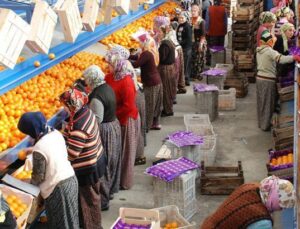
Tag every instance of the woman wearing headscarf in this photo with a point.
(284, 15)
(52, 171)
(120, 79)
(179, 60)
(148, 61)
(285, 72)
(86, 155)
(267, 21)
(166, 69)
(184, 37)
(124, 54)
(199, 42)
(267, 59)
(102, 102)
(7, 220)
(250, 205)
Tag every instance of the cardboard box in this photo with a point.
(43, 23)
(14, 32)
(122, 6)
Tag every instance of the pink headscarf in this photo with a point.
(277, 193)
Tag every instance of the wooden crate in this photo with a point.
(239, 82)
(14, 32)
(69, 16)
(43, 23)
(217, 180)
(24, 197)
(106, 12)
(121, 6)
(138, 217)
(90, 15)
(134, 5)
(240, 13)
(241, 39)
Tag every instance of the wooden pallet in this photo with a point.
(218, 180)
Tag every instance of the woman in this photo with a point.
(120, 80)
(124, 54)
(148, 61)
(284, 16)
(86, 155)
(285, 72)
(199, 42)
(166, 70)
(184, 37)
(179, 60)
(267, 58)
(267, 21)
(7, 220)
(102, 102)
(250, 205)
(52, 171)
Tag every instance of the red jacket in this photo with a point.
(125, 95)
(217, 20)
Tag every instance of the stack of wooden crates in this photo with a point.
(245, 24)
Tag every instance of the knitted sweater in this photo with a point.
(85, 147)
(242, 208)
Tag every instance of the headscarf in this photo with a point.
(266, 37)
(34, 124)
(186, 15)
(74, 100)
(94, 76)
(161, 21)
(267, 17)
(277, 193)
(283, 29)
(148, 43)
(119, 50)
(177, 10)
(282, 12)
(117, 58)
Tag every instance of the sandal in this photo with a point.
(140, 161)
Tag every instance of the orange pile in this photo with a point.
(173, 225)
(40, 94)
(16, 205)
(123, 36)
(24, 175)
(282, 160)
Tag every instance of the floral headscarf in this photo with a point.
(160, 21)
(267, 17)
(148, 43)
(277, 193)
(119, 50)
(186, 15)
(283, 12)
(283, 29)
(94, 76)
(74, 100)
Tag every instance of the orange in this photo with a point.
(51, 56)
(22, 155)
(37, 64)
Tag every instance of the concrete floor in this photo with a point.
(238, 139)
